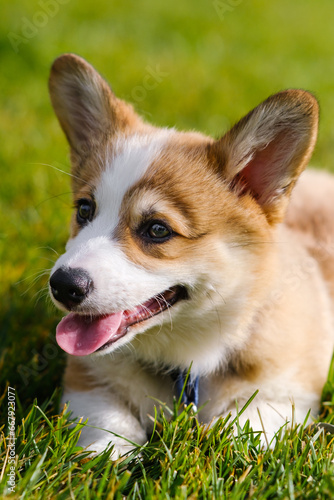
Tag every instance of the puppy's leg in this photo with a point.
(269, 416)
(108, 412)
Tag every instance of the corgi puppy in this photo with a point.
(184, 252)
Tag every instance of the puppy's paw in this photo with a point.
(118, 450)
(120, 446)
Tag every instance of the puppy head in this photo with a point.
(166, 245)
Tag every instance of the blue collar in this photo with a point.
(186, 387)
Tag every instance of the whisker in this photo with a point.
(49, 260)
(252, 243)
(38, 277)
(63, 172)
(53, 197)
(42, 293)
(208, 294)
(41, 272)
(168, 309)
(218, 293)
(52, 166)
(31, 286)
(49, 248)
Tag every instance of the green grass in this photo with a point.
(182, 460)
(214, 69)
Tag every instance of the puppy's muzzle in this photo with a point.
(70, 286)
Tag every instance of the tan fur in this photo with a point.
(260, 278)
(77, 378)
(311, 216)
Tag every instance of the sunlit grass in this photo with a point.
(211, 70)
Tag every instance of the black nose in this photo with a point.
(70, 286)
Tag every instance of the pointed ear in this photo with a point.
(85, 105)
(266, 151)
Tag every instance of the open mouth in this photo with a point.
(80, 334)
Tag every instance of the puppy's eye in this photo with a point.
(85, 211)
(157, 232)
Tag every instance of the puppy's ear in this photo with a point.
(265, 152)
(85, 105)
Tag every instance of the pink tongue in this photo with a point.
(79, 335)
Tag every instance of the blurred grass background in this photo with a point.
(215, 61)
